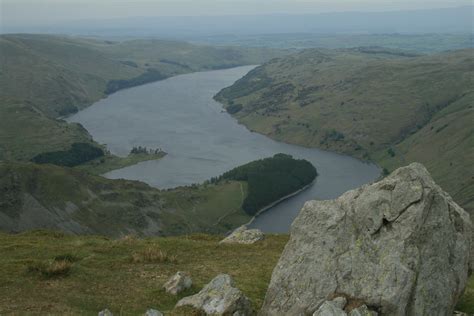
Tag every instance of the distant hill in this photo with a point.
(421, 43)
(44, 77)
(371, 103)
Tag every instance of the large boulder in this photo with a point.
(178, 283)
(219, 297)
(243, 235)
(400, 246)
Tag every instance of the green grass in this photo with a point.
(111, 162)
(103, 273)
(103, 276)
(363, 102)
(466, 304)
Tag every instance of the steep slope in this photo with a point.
(44, 77)
(370, 103)
(46, 196)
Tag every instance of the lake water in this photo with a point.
(180, 116)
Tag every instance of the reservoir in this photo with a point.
(180, 116)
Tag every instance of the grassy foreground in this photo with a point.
(45, 272)
(115, 274)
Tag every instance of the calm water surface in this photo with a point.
(180, 116)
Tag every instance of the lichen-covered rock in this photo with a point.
(400, 245)
(242, 235)
(330, 308)
(178, 283)
(153, 312)
(362, 311)
(219, 297)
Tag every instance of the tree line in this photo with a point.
(270, 179)
(78, 153)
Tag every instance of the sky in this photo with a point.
(38, 12)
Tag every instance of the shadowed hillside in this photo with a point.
(47, 196)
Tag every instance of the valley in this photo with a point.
(47, 77)
(148, 116)
(237, 158)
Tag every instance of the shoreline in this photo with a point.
(286, 197)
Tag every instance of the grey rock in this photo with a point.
(219, 297)
(340, 302)
(178, 283)
(105, 312)
(153, 312)
(401, 245)
(362, 311)
(242, 235)
(329, 308)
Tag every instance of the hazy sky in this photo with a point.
(14, 12)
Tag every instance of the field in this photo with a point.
(104, 275)
(376, 104)
(126, 275)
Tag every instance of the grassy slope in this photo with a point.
(46, 196)
(44, 77)
(105, 276)
(376, 101)
(109, 162)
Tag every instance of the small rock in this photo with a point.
(340, 302)
(105, 312)
(178, 283)
(330, 308)
(242, 235)
(153, 312)
(362, 311)
(219, 297)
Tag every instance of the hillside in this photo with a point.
(72, 200)
(371, 103)
(45, 77)
(104, 274)
(46, 196)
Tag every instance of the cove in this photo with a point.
(180, 116)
